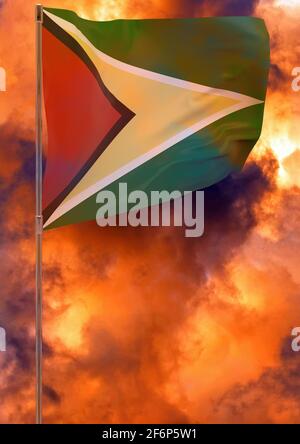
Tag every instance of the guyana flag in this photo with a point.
(159, 104)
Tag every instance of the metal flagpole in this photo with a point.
(39, 216)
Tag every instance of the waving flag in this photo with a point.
(162, 104)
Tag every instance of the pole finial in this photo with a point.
(39, 13)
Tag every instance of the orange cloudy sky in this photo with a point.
(144, 325)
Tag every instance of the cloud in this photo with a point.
(144, 325)
(272, 398)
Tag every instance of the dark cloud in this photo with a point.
(230, 209)
(235, 7)
(51, 394)
(191, 8)
(277, 77)
(279, 386)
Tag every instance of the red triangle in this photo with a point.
(79, 115)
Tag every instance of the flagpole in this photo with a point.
(39, 216)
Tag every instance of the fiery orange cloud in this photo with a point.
(143, 325)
